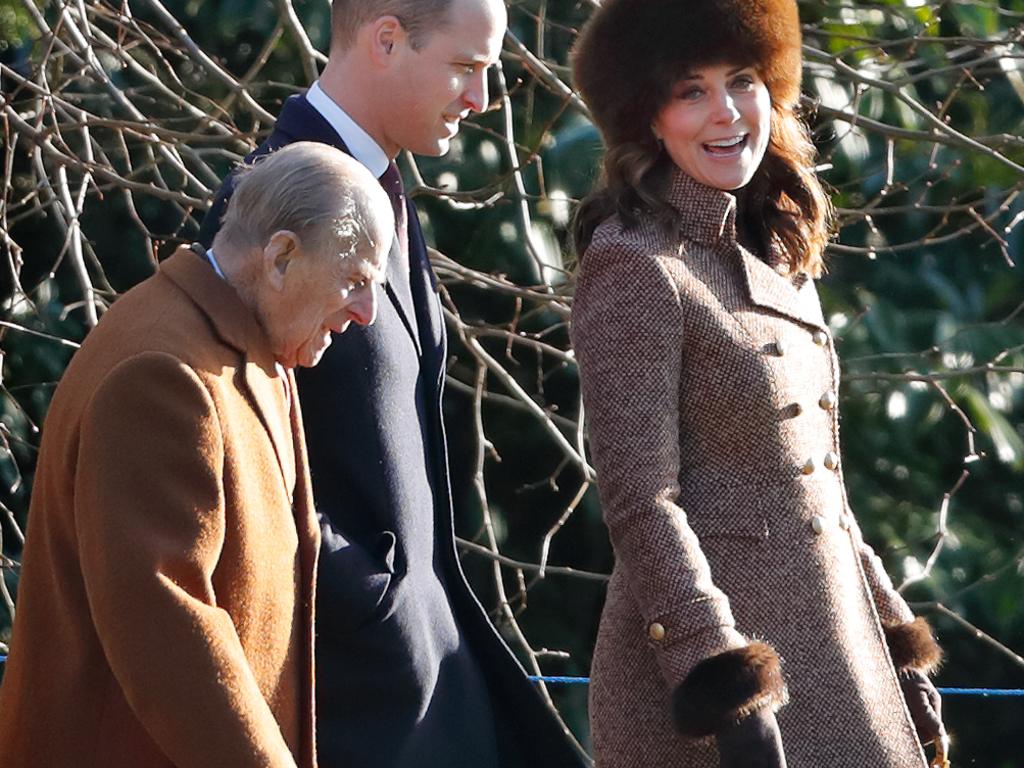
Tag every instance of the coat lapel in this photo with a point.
(708, 216)
(236, 326)
(796, 299)
(399, 291)
(267, 391)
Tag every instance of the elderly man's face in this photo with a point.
(323, 294)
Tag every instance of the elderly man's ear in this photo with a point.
(278, 254)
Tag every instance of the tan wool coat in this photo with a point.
(709, 380)
(165, 605)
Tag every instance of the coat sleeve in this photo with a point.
(150, 521)
(910, 640)
(628, 335)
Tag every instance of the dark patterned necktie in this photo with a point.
(391, 181)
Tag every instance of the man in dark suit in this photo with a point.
(410, 672)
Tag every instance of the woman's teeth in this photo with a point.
(726, 146)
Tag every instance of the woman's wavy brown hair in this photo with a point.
(784, 200)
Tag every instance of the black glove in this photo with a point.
(753, 742)
(924, 703)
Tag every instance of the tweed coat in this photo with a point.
(166, 600)
(709, 380)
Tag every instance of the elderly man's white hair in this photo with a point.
(316, 191)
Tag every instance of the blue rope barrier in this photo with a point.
(563, 680)
(560, 680)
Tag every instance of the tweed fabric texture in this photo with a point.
(706, 376)
(165, 609)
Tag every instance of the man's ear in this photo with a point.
(279, 252)
(387, 37)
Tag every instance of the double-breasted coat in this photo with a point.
(165, 606)
(710, 383)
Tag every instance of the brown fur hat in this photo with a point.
(631, 53)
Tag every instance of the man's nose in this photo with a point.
(364, 309)
(475, 95)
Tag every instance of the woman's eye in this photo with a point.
(691, 94)
(743, 83)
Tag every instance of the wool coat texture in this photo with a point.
(165, 606)
(710, 380)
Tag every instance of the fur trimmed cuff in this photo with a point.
(727, 687)
(912, 646)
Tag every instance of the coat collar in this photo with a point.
(708, 216)
(235, 325)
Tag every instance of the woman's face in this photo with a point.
(715, 125)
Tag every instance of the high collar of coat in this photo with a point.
(232, 321)
(708, 216)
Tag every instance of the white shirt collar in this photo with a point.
(213, 261)
(359, 142)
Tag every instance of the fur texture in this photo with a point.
(631, 52)
(728, 687)
(913, 646)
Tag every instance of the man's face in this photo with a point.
(323, 294)
(440, 84)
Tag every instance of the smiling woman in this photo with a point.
(709, 376)
(715, 126)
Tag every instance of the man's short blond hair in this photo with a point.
(311, 189)
(418, 17)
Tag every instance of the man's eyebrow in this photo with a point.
(374, 274)
(476, 58)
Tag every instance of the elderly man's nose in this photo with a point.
(364, 310)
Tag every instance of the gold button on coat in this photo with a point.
(808, 467)
(820, 338)
(828, 400)
(656, 631)
(831, 460)
(818, 524)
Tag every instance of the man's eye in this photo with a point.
(466, 69)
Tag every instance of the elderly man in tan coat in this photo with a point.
(166, 599)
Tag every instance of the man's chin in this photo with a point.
(311, 357)
(436, 148)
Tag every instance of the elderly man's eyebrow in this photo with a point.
(370, 272)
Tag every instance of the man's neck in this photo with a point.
(358, 94)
